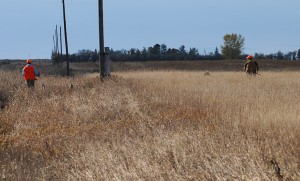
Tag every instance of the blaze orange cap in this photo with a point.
(249, 57)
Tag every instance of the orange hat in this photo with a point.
(29, 61)
(249, 57)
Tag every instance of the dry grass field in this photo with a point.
(151, 125)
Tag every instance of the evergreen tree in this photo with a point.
(163, 51)
(182, 52)
(95, 56)
(294, 55)
(154, 52)
(217, 55)
(144, 54)
(156, 49)
(173, 54)
(193, 54)
(279, 55)
(182, 49)
(259, 56)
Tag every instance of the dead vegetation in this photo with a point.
(162, 125)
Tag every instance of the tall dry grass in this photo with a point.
(175, 125)
(249, 124)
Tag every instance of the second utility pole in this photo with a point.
(101, 40)
(66, 38)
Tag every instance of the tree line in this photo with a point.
(160, 52)
(231, 49)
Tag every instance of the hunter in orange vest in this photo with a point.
(29, 72)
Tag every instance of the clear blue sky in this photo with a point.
(27, 26)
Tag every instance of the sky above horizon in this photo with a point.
(27, 26)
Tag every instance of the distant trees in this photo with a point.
(154, 52)
(162, 52)
(291, 55)
(232, 49)
(259, 56)
(217, 55)
(84, 56)
(279, 55)
(233, 46)
(193, 54)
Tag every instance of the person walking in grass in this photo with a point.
(29, 73)
(251, 66)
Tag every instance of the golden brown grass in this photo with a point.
(175, 125)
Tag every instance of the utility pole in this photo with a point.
(61, 53)
(66, 38)
(101, 40)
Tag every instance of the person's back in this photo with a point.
(251, 66)
(29, 72)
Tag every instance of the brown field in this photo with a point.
(152, 122)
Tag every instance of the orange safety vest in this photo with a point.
(29, 72)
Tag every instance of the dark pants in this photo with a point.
(30, 83)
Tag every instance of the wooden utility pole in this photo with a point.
(61, 53)
(101, 40)
(66, 38)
